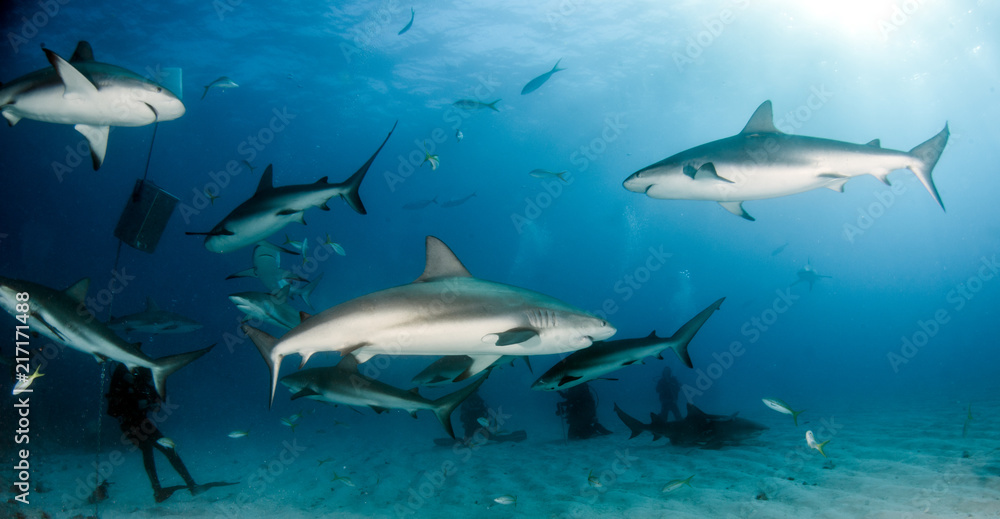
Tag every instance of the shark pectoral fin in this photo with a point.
(77, 86)
(248, 273)
(874, 143)
(707, 172)
(304, 393)
(378, 410)
(737, 209)
(51, 328)
(97, 137)
(512, 336)
(567, 379)
(837, 181)
(479, 363)
(286, 212)
(12, 118)
(629, 363)
(362, 356)
(690, 171)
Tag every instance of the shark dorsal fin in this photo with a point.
(266, 181)
(652, 335)
(441, 263)
(695, 414)
(83, 52)
(348, 363)
(151, 306)
(324, 180)
(78, 291)
(762, 121)
(874, 143)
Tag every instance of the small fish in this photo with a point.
(26, 383)
(483, 421)
(342, 424)
(248, 165)
(167, 442)
(506, 499)
(240, 433)
(593, 481)
(968, 418)
(459, 135)
(457, 202)
(412, 13)
(346, 480)
(222, 82)
(433, 159)
(677, 483)
(811, 441)
(534, 84)
(335, 246)
(211, 197)
(782, 407)
(541, 173)
(420, 204)
(470, 104)
(289, 423)
(779, 250)
(297, 245)
(322, 461)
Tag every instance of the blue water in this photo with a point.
(642, 82)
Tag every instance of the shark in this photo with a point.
(536, 83)
(451, 368)
(272, 208)
(267, 268)
(62, 316)
(153, 320)
(697, 429)
(88, 94)
(808, 275)
(344, 384)
(272, 308)
(608, 356)
(445, 311)
(762, 162)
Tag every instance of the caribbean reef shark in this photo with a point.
(91, 95)
(452, 368)
(808, 275)
(607, 356)
(708, 431)
(344, 384)
(271, 208)
(154, 320)
(62, 315)
(762, 162)
(445, 311)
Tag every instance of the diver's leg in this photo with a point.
(178, 465)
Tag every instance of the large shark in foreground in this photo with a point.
(63, 317)
(607, 356)
(708, 431)
(445, 311)
(271, 208)
(154, 320)
(762, 162)
(344, 384)
(88, 94)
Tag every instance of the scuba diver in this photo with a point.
(473, 409)
(579, 409)
(130, 397)
(669, 388)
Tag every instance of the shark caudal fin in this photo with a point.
(163, 367)
(265, 345)
(634, 425)
(927, 155)
(352, 197)
(680, 340)
(444, 406)
(307, 291)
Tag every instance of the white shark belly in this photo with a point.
(104, 109)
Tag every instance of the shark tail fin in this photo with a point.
(352, 197)
(634, 425)
(166, 366)
(927, 155)
(265, 345)
(680, 340)
(444, 406)
(308, 290)
(795, 416)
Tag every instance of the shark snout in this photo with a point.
(637, 183)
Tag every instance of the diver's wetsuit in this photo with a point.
(669, 389)
(130, 397)
(580, 412)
